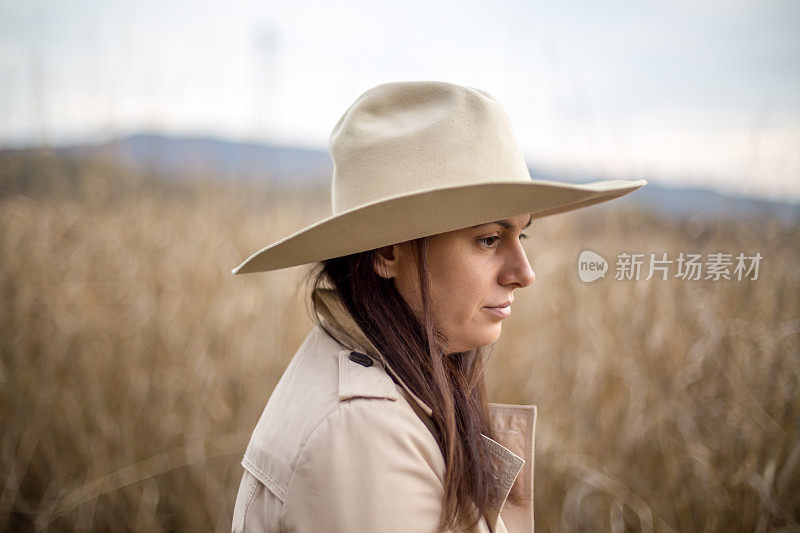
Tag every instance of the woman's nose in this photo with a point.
(526, 275)
(518, 270)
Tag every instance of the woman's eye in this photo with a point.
(486, 240)
(489, 242)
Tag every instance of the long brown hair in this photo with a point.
(451, 385)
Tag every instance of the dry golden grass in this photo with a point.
(134, 365)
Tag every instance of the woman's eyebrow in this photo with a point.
(507, 224)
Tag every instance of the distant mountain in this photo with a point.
(183, 158)
(187, 158)
(686, 202)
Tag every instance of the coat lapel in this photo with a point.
(514, 427)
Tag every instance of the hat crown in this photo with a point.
(406, 137)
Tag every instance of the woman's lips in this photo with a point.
(502, 312)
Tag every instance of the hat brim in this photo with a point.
(423, 213)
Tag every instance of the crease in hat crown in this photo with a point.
(435, 134)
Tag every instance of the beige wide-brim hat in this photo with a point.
(417, 158)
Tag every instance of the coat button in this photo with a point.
(361, 359)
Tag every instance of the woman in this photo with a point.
(381, 422)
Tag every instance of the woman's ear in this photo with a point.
(386, 262)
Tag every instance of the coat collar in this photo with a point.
(335, 315)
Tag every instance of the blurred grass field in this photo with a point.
(134, 365)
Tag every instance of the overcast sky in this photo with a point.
(689, 93)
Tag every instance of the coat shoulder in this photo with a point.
(369, 466)
(321, 378)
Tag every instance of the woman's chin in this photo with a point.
(489, 337)
(493, 331)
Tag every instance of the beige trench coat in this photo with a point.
(341, 447)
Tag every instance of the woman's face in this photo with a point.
(473, 273)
